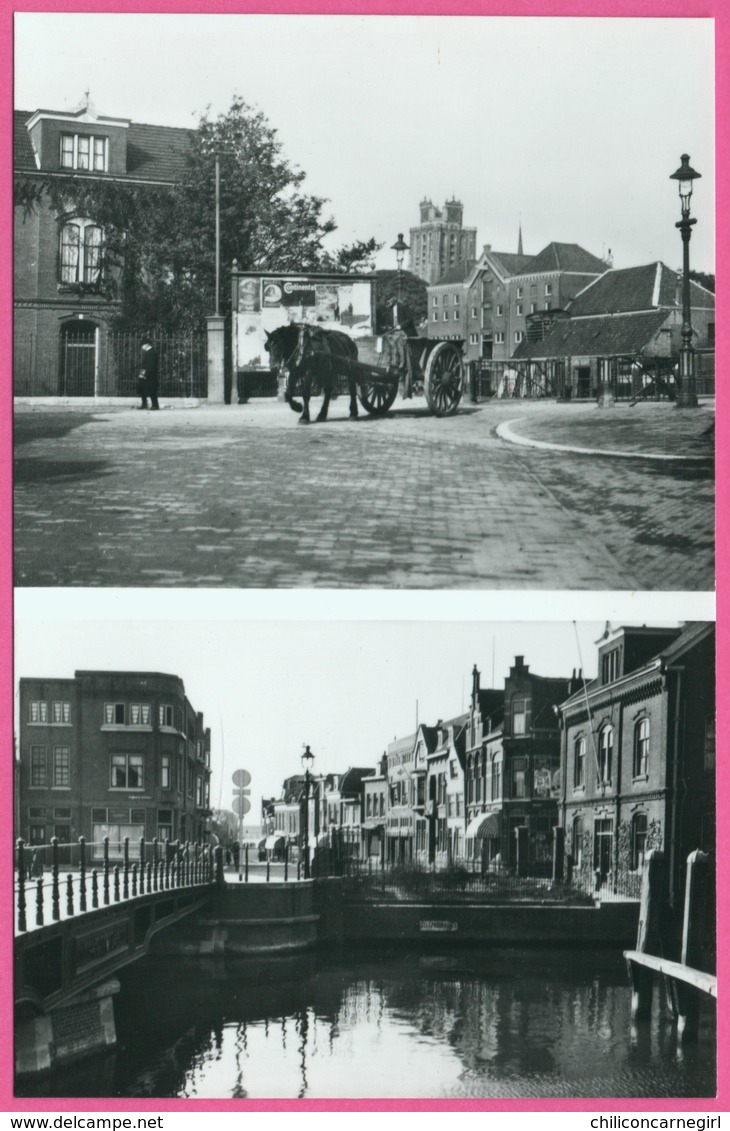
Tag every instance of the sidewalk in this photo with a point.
(648, 430)
(244, 497)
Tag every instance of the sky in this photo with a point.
(268, 686)
(568, 127)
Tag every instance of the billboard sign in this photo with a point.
(262, 302)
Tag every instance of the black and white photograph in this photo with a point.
(364, 562)
(475, 255)
(463, 860)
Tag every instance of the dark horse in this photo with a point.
(302, 353)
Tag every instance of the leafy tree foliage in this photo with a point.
(413, 297)
(704, 279)
(159, 243)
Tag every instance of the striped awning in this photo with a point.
(485, 825)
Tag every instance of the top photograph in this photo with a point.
(364, 302)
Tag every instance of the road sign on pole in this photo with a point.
(241, 800)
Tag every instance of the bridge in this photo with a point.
(83, 912)
(73, 933)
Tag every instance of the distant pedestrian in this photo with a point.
(148, 374)
(236, 854)
(36, 866)
(229, 858)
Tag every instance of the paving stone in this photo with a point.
(241, 496)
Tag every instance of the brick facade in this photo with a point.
(111, 754)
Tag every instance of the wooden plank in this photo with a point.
(697, 978)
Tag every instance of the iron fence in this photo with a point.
(399, 884)
(43, 893)
(95, 362)
(630, 377)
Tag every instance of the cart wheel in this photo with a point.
(376, 399)
(444, 378)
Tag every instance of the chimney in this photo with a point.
(475, 683)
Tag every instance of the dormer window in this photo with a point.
(80, 252)
(85, 151)
(610, 666)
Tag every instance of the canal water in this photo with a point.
(464, 1023)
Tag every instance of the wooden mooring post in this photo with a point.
(687, 981)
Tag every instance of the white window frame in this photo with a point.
(74, 152)
(116, 757)
(59, 770)
(519, 335)
(61, 708)
(38, 707)
(79, 259)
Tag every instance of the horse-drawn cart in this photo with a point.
(311, 358)
(413, 365)
(314, 334)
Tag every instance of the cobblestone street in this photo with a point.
(242, 497)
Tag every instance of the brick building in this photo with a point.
(447, 303)
(61, 314)
(638, 755)
(512, 767)
(486, 301)
(108, 753)
(623, 329)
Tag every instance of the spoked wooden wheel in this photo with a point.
(444, 378)
(376, 398)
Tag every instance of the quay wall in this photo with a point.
(494, 925)
(247, 919)
(278, 918)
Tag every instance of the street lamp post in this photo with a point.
(307, 759)
(687, 392)
(400, 247)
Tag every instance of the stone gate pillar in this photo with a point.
(606, 399)
(216, 359)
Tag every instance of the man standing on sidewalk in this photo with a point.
(148, 374)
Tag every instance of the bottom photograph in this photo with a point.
(359, 859)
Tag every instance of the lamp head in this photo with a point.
(400, 247)
(684, 177)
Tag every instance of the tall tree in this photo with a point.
(413, 297)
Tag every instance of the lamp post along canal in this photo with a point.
(400, 247)
(307, 760)
(687, 392)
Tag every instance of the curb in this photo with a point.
(504, 431)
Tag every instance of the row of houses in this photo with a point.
(560, 777)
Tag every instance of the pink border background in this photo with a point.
(713, 9)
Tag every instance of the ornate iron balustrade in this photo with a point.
(86, 885)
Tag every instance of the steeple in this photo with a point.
(519, 240)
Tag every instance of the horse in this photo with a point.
(301, 353)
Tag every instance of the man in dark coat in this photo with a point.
(148, 374)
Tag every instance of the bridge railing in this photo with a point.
(57, 881)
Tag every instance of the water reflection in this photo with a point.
(469, 1024)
